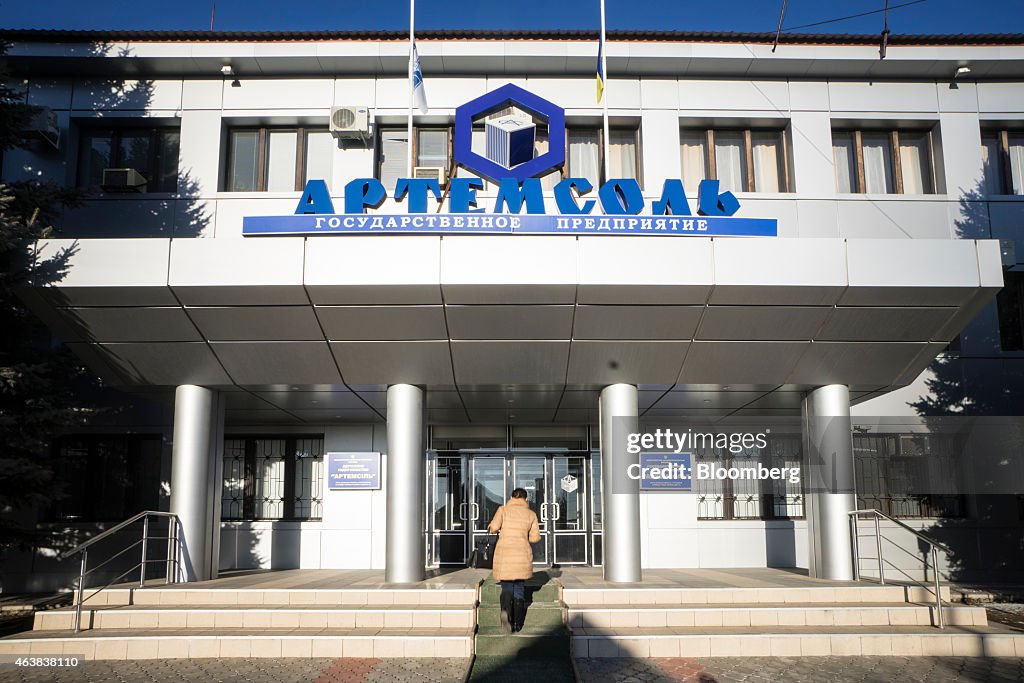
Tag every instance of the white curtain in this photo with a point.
(542, 145)
(877, 163)
(281, 149)
(320, 147)
(1017, 163)
(915, 164)
(584, 155)
(730, 161)
(622, 153)
(992, 164)
(846, 162)
(692, 158)
(433, 148)
(394, 145)
(767, 158)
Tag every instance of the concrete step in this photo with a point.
(538, 616)
(490, 593)
(182, 594)
(771, 614)
(870, 593)
(200, 642)
(797, 641)
(550, 643)
(262, 616)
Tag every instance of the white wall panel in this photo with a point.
(961, 98)
(961, 153)
(813, 164)
(199, 153)
(105, 95)
(808, 95)
(202, 93)
(734, 95)
(280, 93)
(659, 135)
(54, 93)
(858, 96)
(892, 218)
(1001, 97)
(659, 93)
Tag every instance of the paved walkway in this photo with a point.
(349, 670)
(704, 670)
(810, 669)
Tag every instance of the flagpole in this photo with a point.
(604, 98)
(412, 47)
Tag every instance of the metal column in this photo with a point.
(197, 425)
(621, 515)
(829, 476)
(404, 552)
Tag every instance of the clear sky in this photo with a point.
(924, 16)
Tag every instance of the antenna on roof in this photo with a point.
(885, 33)
(213, 12)
(782, 15)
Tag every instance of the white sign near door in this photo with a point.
(569, 483)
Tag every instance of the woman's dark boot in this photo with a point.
(505, 615)
(519, 611)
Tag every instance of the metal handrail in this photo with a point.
(933, 548)
(173, 549)
(114, 529)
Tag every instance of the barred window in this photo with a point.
(895, 471)
(273, 477)
(751, 498)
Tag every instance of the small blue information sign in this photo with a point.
(665, 472)
(353, 471)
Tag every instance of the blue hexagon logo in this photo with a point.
(507, 138)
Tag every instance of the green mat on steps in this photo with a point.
(540, 651)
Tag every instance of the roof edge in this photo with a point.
(897, 40)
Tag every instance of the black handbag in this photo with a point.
(482, 556)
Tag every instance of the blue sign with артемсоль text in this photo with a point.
(353, 471)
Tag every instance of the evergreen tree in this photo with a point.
(37, 377)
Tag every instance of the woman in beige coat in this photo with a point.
(513, 557)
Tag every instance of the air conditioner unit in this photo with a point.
(436, 172)
(44, 126)
(123, 180)
(350, 122)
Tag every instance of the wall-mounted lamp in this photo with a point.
(227, 71)
(962, 71)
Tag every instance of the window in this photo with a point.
(1002, 153)
(277, 159)
(273, 477)
(751, 498)
(883, 161)
(584, 156)
(892, 470)
(742, 160)
(105, 478)
(1010, 306)
(153, 152)
(432, 148)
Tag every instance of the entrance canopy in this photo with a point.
(521, 328)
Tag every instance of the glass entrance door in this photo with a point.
(465, 490)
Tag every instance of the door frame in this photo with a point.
(471, 517)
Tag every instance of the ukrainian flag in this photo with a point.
(600, 68)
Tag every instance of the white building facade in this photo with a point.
(477, 363)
